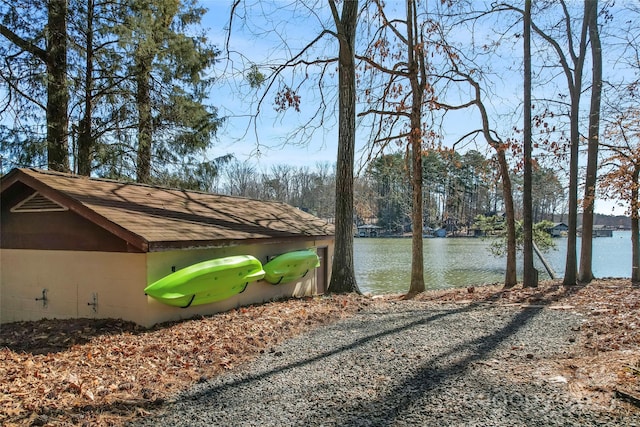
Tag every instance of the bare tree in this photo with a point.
(343, 277)
(585, 274)
(500, 146)
(398, 110)
(621, 179)
(240, 179)
(620, 176)
(530, 279)
(570, 47)
(271, 77)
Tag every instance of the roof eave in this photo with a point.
(160, 246)
(133, 239)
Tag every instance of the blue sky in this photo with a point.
(263, 143)
(273, 129)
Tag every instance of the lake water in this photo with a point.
(384, 265)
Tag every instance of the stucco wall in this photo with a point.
(117, 280)
(71, 279)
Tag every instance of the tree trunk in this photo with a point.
(635, 228)
(571, 265)
(510, 276)
(586, 250)
(417, 252)
(530, 278)
(570, 272)
(58, 95)
(85, 140)
(417, 255)
(145, 123)
(343, 272)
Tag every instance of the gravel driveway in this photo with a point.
(404, 364)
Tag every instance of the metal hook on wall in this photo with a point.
(94, 302)
(43, 298)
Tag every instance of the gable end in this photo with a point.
(38, 203)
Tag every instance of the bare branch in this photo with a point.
(24, 44)
(383, 113)
(387, 23)
(385, 70)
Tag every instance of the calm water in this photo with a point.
(384, 265)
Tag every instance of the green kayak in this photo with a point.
(290, 266)
(207, 281)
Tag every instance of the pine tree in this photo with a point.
(167, 68)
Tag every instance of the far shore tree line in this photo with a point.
(123, 89)
(456, 189)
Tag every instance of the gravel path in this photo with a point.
(405, 364)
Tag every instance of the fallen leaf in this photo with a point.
(558, 379)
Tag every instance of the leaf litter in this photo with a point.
(107, 372)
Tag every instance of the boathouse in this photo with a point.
(602, 231)
(74, 247)
(559, 229)
(368, 230)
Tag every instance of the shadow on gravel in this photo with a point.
(543, 295)
(404, 394)
(357, 343)
(435, 372)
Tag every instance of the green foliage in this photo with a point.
(169, 60)
(22, 147)
(490, 226)
(494, 228)
(458, 186)
(108, 41)
(389, 177)
(196, 176)
(255, 77)
(542, 236)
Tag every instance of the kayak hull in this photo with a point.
(207, 281)
(290, 266)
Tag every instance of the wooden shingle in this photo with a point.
(155, 218)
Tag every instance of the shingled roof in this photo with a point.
(154, 218)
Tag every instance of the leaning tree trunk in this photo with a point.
(58, 95)
(510, 276)
(343, 272)
(586, 251)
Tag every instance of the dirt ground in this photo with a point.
(105, 372)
